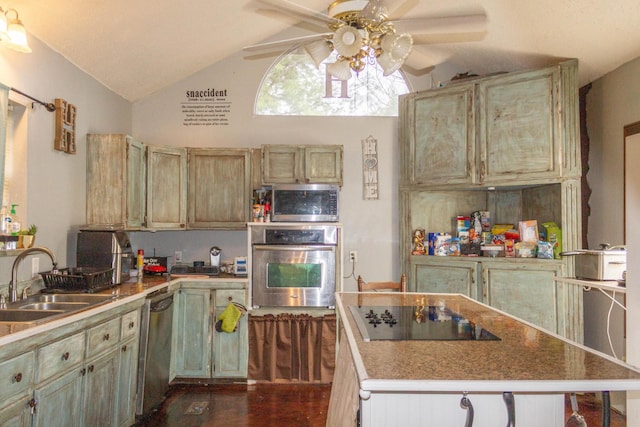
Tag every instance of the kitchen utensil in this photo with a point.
(575, 420)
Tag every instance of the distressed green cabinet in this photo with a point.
(201, 351)
(166, 204)
(302, 164)
(435, 275)
(17, 414)
(128, 369)
(115, 181)
(507, 144)
(219, 194)
(508, 129)
(16, 382)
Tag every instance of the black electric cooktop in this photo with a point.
(398, 323)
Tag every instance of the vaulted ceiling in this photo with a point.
(138, 47)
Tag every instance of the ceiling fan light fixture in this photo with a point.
(388, 64)
(340, 69)
(319, 51)
(398, 46)
(347, 41)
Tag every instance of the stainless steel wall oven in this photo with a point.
(294, 265)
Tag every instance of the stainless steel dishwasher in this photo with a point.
(155, 351)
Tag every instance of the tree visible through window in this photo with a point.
(295, 87)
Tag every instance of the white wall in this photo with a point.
(612, 103)
(370, 227)
(56, 181)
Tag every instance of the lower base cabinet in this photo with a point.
(201, 351)
(84, 376)
(523, 288)
(16, 415)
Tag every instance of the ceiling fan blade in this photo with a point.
(376, 10)
(300, 12)
(284, 44)
(445, 25)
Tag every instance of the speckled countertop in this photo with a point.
(124, 293)
(525, 359)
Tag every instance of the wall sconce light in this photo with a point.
(12, 32)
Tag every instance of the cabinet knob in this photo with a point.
(32, 405)
(17, 377)
(65, 355)
(83, 371)
(90, 368)
(132, 324)
(124, 348)
(106, 337)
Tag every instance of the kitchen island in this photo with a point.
(412, 378)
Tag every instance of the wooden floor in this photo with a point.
(281, 405)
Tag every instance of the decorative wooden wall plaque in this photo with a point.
(65, 127)
(370, 168)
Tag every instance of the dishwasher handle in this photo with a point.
(161, 305)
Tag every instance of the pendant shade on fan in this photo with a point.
(388, 65)
(398, 46)
(340, 69)
(347, 41)
(319, 51)
(4, 36)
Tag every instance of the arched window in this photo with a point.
(293, 86)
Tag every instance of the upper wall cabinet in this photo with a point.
(510, 128)
(305, 164)
(115, 181)
(166, 187)
(219, 188)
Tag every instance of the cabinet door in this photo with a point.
(444, 276)
(115, 181)
(323, 164)
(219, 188)
(127, 383)
(60, 402)
(230, 350)
(282, 164)
(526, 291)
(518, 127)
(100, 390)
(193, 332)
(16, 415)
(437, 136)
(166, 187)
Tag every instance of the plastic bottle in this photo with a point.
(15, 221)
(140, 262)
(5, 220)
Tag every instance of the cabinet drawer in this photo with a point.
(130, 324)
(59, 356)
(225, 296)
(16, 376)
(103, 337)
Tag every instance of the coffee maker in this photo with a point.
(215, 253)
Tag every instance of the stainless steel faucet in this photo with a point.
(13, 285)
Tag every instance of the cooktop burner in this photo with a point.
(416, 323)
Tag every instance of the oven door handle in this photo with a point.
(292, 248)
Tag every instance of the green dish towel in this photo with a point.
(229, 318)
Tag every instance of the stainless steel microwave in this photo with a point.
(304, 203)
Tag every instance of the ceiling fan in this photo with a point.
(363, 31)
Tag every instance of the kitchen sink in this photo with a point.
(65, 298)
(39, 308)
(28, 316)
(62, 306)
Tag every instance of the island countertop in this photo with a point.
(526, 358)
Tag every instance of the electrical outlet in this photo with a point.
(177, 257)
(35, 267)
(353, 256)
